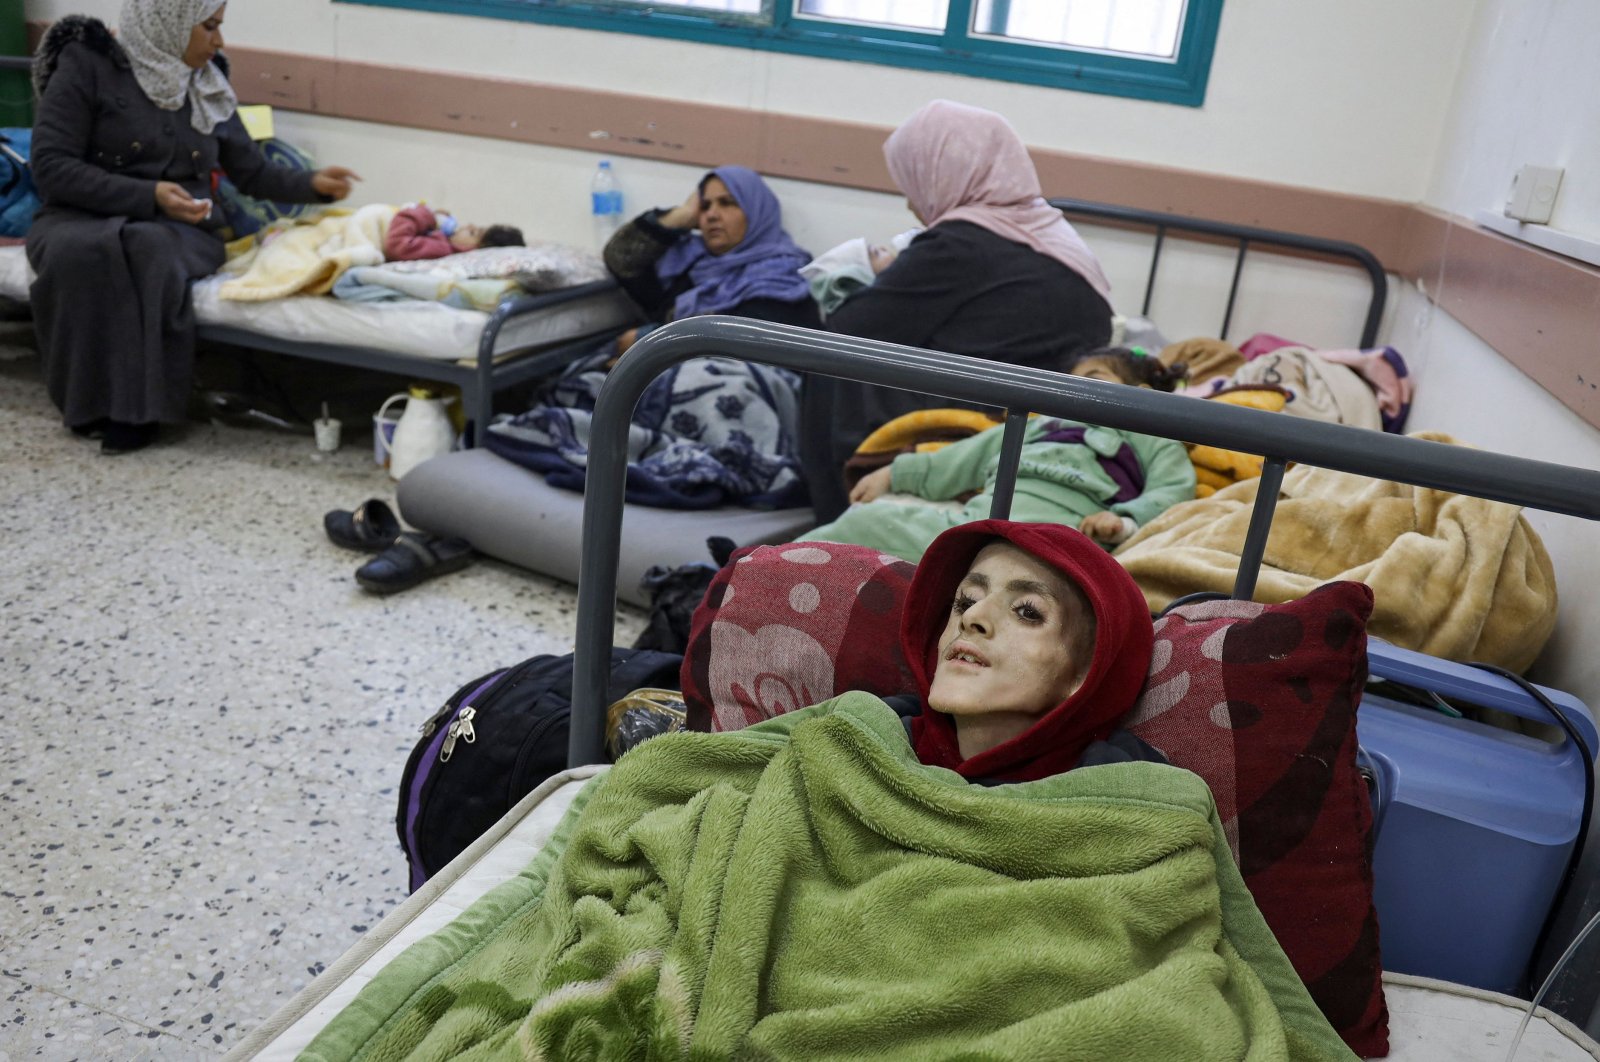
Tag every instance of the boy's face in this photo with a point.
(1008, 644)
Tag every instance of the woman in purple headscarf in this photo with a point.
(740, 261)
(710, 431)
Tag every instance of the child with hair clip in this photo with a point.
(1104, 482)
(418, 232)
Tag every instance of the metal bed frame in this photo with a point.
(1244, 237)
(479, 380)
(1018, 390)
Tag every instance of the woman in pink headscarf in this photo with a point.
(998, 273)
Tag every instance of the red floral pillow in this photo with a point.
(1260, 701)
(783, 627)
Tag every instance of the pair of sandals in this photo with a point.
(404, 558)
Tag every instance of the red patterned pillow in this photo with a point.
(1260, 701)
(783, 627)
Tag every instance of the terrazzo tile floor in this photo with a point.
(206, 721)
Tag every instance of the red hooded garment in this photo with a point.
(1123, 639)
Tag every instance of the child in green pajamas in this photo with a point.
(1103, 481)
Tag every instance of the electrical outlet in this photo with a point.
(1532, 198)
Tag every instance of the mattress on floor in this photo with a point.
(512, 514)
(1429, 1020)
(422, 329)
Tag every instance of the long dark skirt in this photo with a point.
(112, 312)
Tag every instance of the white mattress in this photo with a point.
(422, 329)
(1429, 1021)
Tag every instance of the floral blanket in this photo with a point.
(710, 432)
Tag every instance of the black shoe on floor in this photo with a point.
(414, 557)
(95, 429)
(121, 438)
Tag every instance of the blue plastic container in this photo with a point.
(1474, 823)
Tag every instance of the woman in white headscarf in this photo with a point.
(130, 133)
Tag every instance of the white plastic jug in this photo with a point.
(423, 431)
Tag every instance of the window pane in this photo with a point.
(737, 7)
(901, 14)
(1142, 27)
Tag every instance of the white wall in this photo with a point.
(1348, 96)
(1529, 93)
(546, 190)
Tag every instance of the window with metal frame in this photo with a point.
(1146, 49)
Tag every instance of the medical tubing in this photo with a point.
(1583, 827)
(1533, 1005)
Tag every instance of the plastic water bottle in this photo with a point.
(605, 200)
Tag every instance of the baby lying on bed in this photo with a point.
(1103, 481)
(823, 886)
(419, 232)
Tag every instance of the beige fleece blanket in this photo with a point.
(1454, 576)
(308, 256)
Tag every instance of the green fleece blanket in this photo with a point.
(806, 889)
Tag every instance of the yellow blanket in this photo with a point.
(1456, 577)
(925, 430)
(308, 256)
(1215, 468)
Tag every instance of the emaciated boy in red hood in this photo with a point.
(1028, 643)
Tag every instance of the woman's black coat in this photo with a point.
(111, 305)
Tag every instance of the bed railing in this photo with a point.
(1018, 390)
(1244, 237)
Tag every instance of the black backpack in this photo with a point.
(492, 743)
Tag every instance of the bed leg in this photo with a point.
(480, 401)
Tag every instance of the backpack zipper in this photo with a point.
(460, 730)
(432, 723)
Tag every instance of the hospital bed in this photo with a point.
(524, 338)
(1429, 1019)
